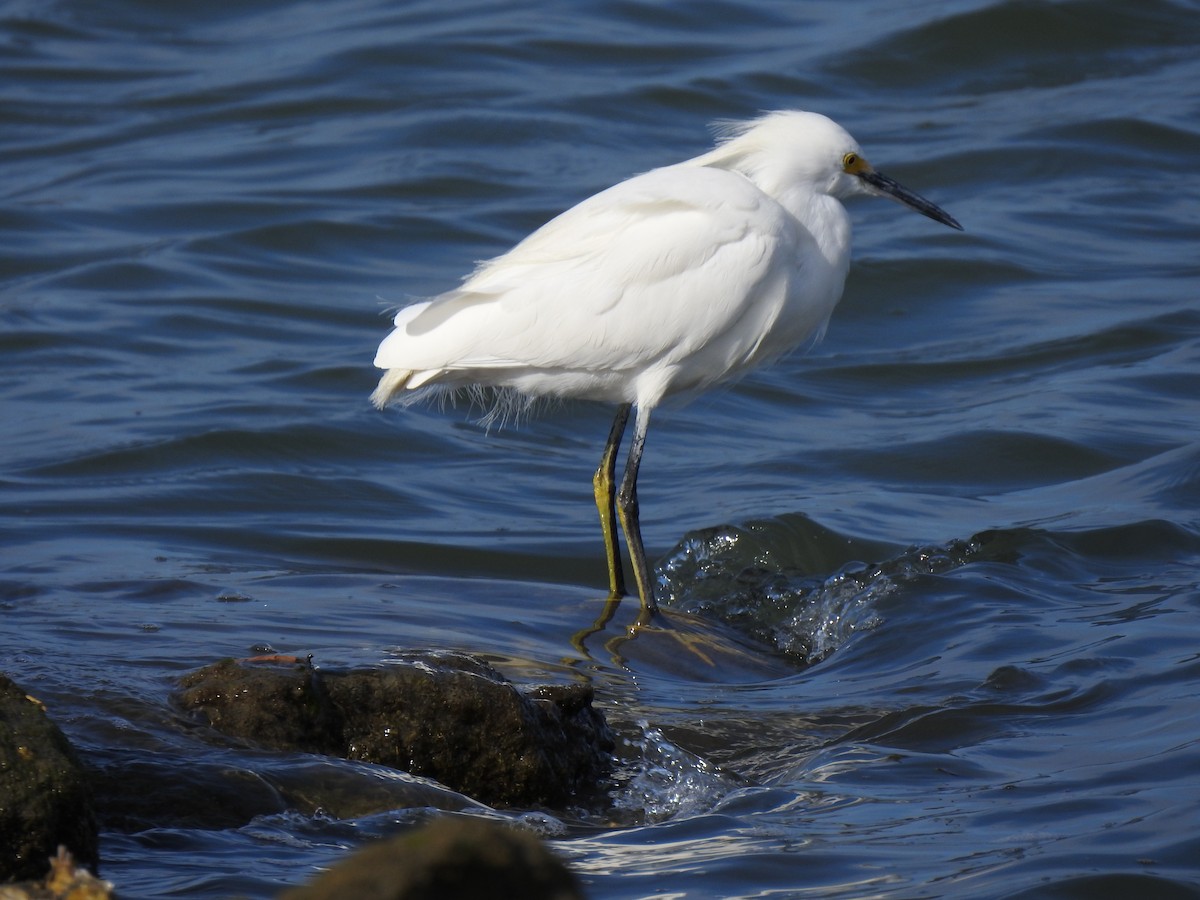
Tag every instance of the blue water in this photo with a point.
(945, 565)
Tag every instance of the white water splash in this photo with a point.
(665, 781)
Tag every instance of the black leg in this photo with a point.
(627, 509)
(604, 483)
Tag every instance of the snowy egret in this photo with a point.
(667, 283)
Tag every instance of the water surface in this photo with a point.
(958, 539)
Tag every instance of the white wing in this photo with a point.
(682, 270)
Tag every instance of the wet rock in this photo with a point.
(281, 707)
(448, 859)
(448, 717)
(44, 798)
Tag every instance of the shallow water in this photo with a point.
(946, 563)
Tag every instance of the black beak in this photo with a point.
(881, 184)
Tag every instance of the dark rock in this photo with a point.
(44, 798)
(282, 707)
(448, 717)
(448, 859)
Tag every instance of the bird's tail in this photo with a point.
(392, 383)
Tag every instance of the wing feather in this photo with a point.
(648, 272)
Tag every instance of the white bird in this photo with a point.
(667, 283)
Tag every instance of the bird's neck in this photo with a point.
(826, 221)
(821, 215)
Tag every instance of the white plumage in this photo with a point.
(670, 282)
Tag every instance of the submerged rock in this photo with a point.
(228, 788)
(44, 797)
(448, 717)
(449, 858)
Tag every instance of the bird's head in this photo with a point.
(795, 150)
(862, 178)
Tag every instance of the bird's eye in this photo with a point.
(850, 162)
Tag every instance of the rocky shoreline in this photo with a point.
(448, 720)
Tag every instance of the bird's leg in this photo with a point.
(604, 483)
(627, 509)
